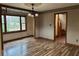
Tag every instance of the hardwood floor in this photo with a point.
(61, 39)
(39, 47)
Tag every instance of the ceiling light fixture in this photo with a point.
(32, 13)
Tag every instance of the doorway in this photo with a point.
(60, 27)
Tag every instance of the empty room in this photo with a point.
(39, 29)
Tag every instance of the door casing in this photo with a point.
(66, 24)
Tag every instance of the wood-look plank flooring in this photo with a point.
(39, 47)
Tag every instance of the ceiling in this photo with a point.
(43, 6)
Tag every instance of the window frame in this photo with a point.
(5, 25)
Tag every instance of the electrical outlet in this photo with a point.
(50, 24)
(76, 40)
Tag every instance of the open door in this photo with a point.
(60, 27)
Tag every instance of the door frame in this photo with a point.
(66, 24)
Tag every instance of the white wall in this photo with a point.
(73, 27)
(62, 18)
(47, 31)
(21, 34)
(37, 27)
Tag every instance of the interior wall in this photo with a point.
(29, 31)
(37, 27)
(73, 27)
(62, 18)
(47, 31)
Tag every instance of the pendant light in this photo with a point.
(32, 13)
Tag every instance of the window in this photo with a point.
(13, 23)
(3, 26)
(23, 23)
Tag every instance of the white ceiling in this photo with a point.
(42, 6)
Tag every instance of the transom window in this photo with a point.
(13, 23)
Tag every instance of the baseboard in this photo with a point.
(17, 39)
(72, 44)
(43, 38)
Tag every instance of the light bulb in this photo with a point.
(36, 14)
(29, 14)
(32, 15)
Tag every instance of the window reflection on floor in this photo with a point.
(19, 49)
